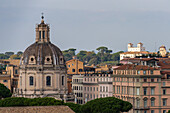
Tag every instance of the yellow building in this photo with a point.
(75, 66)
(6, 80)
(162, 51)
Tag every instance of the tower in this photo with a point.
(42, 67)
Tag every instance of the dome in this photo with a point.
(42, 53)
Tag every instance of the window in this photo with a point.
(152, 101)
(164, 101)
(137, 80)
(152, 111)
(152, 90)
(40, 35)
(100, 88)
(151, 71)
(152, 79)
(48, 81)
(145, 103)
(164, 91)
(72, 64)
(144, 72)
(103, 88)
(90, 88)
(106, 89)
(16, 71)
(97, 89)
(145, 91)
(93, 88)
(138, 103)
(68, 65)
(138, 72)
(87, 88)
(145, 79)
(163, 83)
(62, 80)
(73, 70)
(137, 91)
(43, 34)
(80, 70)
(5, 80)
(164, 111)
(31, 80)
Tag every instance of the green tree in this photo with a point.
(68, 54)
(4, 91)
(106, 105)
(19, 53)
(9, 53)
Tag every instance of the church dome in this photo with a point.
(42, 51)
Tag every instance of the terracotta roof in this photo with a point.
(166, 72)
(135, 67)
(142, 52)
(37, 109)
(138, 59)
(140, 43)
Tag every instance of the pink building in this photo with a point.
(143, 86)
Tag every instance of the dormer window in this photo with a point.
(48, 60)
(61, 60)
(32, 60)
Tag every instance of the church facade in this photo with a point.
(42, 68)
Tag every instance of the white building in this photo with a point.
(134, 51)
(139, 47)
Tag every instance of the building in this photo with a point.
(144, 86)
(91, 86)
(10, 67)
(75, 66)
(135, 51)
(162, 51)
(139, 47)
(77, 86)
(42, 68)
(133, 54)
(6, 80)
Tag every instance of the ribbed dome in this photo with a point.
(42, 52)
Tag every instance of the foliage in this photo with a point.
(75, 107)
(68, 54)
(11, 55)
(168, 111)
(101, 105)
(104, 55)
(21, 101)
(106, 105)
(4, 91)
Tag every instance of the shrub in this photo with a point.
(4, 91)
(106, 105)
(75, 107)
(21, 101)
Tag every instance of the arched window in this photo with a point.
(62, 80)
(31, 80)
(48, 81)
(145, 102)
(152, 101)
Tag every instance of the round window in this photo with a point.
(32, 59)
(48, 59)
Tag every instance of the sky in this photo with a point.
(86, 24)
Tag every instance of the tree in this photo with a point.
(19, 53)
(106, 105)
(4, 91)
(9, 53)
